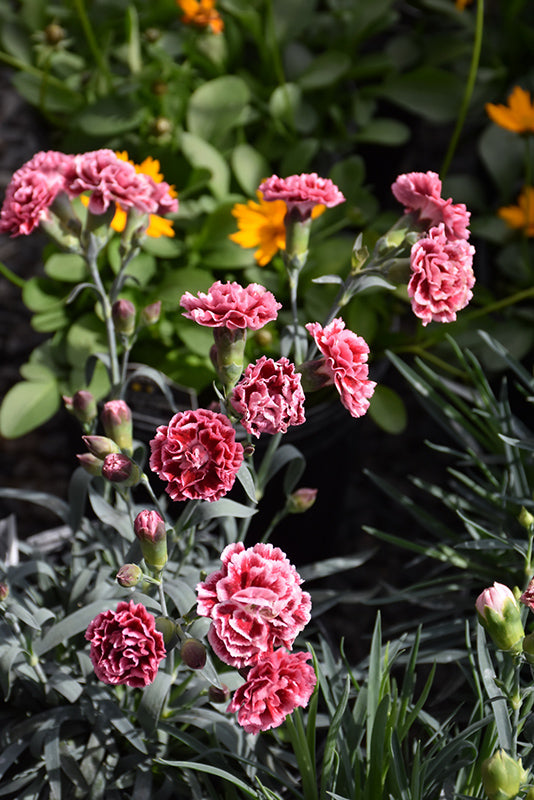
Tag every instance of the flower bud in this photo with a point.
(167, 627)
(193, 654)
(525, 518)
(129, 575)
(314, 375)
(4, 592)
(219, 694)
(116, 418)
(90, 463)
(502, 776)
(101, 446)
(150, 530)
(54, 34)
(150, 314)
(301, 500)
(118, 468)
(82, 404)
(499, 613)
(123, 314)
(229, 355)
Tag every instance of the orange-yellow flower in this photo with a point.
(262, 225)
(517, 116)
(201, 13)
(461, 4)
(157, 226)
(521, 216)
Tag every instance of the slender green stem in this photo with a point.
(278, 517)
(21, 66)
(469, 86)
(293, 276)
(92, 41)
(299, 743)
(11, 277)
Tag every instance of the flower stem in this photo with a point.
(92, 42)
(11, 277)
(469, 86)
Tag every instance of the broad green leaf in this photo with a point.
(47, 95)
(27, 405)
(250, 167)
(221, 508)
(41, 294)
(284, 103)
(503, 155)
(216, 106)
(432, 93)
(203, 155)
(325, 70)
(110, 116)
(387, 409)
(71, 625)
(86, 337)
(67, 267)
(152, 701)
(163, 246)
(388, 132)
(50, 321)
(9, 651)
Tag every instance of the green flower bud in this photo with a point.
(123, 313)
(151, 532)
(4, 592)
(502, 776)
(525, 518)
(101, 446)
(167, 627)
(301, 500)
(82, 404)
(116, 419)
(90, 463)
(129, 575)
(499, 613)
(219, 694)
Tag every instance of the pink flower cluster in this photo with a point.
(197, 454)
(256, 604)
(441, 261)
(269, 397)
(344, 364)
(442, 276)
(302, 192)
(126, 648)
(108, 179)
(229, 305)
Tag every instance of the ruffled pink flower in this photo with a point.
(32, 190)
(345, 364)
(255, 603)
(420, 194)
(442, 276)
(274, 688)
(111, 180)
(229, 305)
(197, 454)
(269, 397)
(302, 192)
(125, 645)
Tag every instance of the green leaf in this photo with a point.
(284, 103)
(50, 321)
(432, 93)
(152, 701)
(387, 409)
(41, 294)
(221, 508)
(69, 626)
(503, 154)
(85, 337)
(8, 654)
(211, 770)
(250, 167)
(203, 155)
(325, 70)
(389, 132)
(53, 97)
(217, 106)
(27, 405)
(67, 267)
(110, 116)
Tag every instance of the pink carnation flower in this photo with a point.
(255, 603)
(32, 190)
(269, 397)
(229, 305)
(302, 192)
(345, 364)
(112, 180)
(420, 194)
(125, 645)
(442, 276)
(274, 687)
(197, 454)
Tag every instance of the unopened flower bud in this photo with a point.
(101, 446)
(159, 88)
(167, 627)
(123, 313)
(193, 654)
(502, 776)
(248, 450)
(54, 33)
(150, 314)
(118, 468)
(314, 375)
(219, 694)
(152, 35)
(525, 518)
(116, 418)
(90, 463)
(499, 613)
(263, 337)
(129, 575)
(229, 355)
(82, 404)
(301, 500)
(4, 592)
(150, 530)
(161, 126)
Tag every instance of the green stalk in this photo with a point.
(469, 86)
(11, 277)
(92, 42)
(299, 743)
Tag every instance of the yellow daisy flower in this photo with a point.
(201, 13)
(521, 216)
(157, 226)
(517, 116)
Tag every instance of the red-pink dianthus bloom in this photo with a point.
(302, 192)
(269, 397)
(125, 645)
(255, 603)
(345, 364)
(32, 190)
(442, 276)
(110, 180)
(274, 688)
(197, 454)
(420, 194)
(229, 305)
